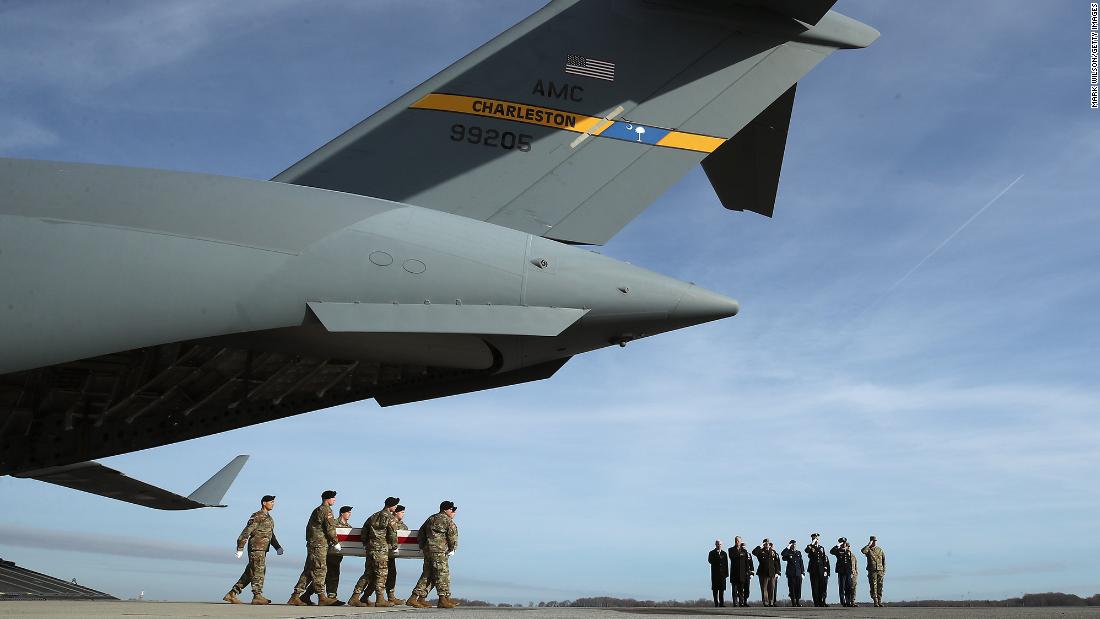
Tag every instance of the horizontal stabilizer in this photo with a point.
(745, 170)
(439, 318)
(95, 478)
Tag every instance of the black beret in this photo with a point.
(328, 494)
(267, 497)
(445, 505)
(345, 509)
(391, 501)
(792, 542)
(399, 508)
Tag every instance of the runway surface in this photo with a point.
(38, 609)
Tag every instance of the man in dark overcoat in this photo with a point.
(740, 571)
(719, 572)
(818, 566)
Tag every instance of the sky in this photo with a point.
(916, 356)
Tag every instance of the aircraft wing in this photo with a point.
(95, 478)
(572, 122)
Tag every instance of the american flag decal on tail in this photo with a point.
(588, 67)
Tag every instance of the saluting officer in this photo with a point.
(740, 571)
(795, 571)
(819, 570)
(876, 568)
(843, 570)
(259, 534)
(767, 571)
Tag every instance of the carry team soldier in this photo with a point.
(379, 537)
(876, 568)
(391, 579)
(335, 557)
(438, 539)
(740, 571)
(819, 570)
(320, 534)
(259, 534)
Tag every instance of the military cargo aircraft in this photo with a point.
(430, 250)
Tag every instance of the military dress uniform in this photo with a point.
(320, 534)
(796, 569)
(768, 573)
(379, 537)
(740, 574)
(876, 570)
(259, 534)
(719, 572)
(818, 566)
(843, 572)
(437, 537)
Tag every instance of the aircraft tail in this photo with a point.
(572, 122)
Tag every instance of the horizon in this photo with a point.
(915, 358)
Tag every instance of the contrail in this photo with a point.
(938, 248)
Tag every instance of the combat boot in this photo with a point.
(258, 599)
(445, 601)
(232, 598)
(324, 600)
(418, 602)
(354, 600)
(295, 601)
(380, 600)
(305, 597)
(396, 601)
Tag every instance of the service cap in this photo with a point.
(445, 505)
(345, 509)
(328, 494)
(399, 508)
(792, 542)
(815, 535)
(267, 497)
(874, 539)
(392, 500)
(841, 540)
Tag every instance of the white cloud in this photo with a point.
(23, 134)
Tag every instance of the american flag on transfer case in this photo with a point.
(599, 69)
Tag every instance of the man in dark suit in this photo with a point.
(819, 570)
(719, 572)
(795, 571)
(740, 571)
(843, 570)
(767, 570)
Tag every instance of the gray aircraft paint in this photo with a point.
(147, 307)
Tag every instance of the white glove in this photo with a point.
(451, 553)
(337, 546)
(396, 551)
(239, 553)
(279, 551)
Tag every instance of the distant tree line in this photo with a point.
(1030, 599)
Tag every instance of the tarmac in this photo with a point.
(94, 609)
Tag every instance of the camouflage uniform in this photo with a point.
(332, 564)
(259, 533)
(320, 534)
(876, 569)
(855, 577)
(391, 579)
(437, 537)
(379, 536)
